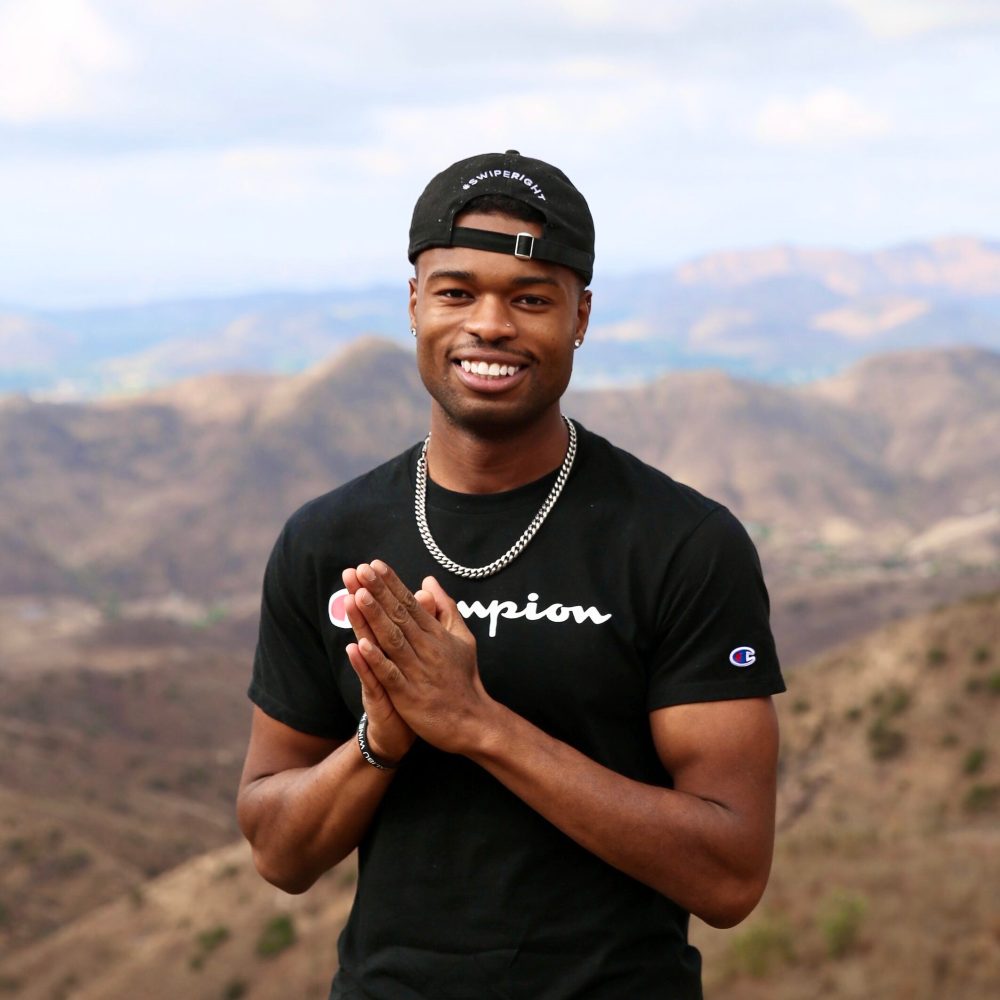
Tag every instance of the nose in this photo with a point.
(489, 319)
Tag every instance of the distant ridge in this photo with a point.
(959, 265)
(783, 313)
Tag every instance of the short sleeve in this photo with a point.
(293, 680)
(714, 641)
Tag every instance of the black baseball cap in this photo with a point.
(567, 236)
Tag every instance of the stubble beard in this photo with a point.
(490, 420)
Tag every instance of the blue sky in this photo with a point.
(206, 147)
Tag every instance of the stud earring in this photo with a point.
(413, 331)
(577, 342)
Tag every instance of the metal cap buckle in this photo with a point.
(518, 251)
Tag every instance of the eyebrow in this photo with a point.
(519, 282)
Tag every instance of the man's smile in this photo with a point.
(482, 373)
(490, 369)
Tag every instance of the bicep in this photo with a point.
(275, 747)
(724, 752)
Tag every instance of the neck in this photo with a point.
(460, 459)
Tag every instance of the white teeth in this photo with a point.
(488, 370)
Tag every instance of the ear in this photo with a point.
(582, 314)
(413, 302)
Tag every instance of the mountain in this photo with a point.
(95, 351)
(781, 313)
(896, 442)
(910, 392)
(133, 535)
(959, 265)
(183, 490)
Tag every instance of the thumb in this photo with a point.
(447, 610)
(426, 600)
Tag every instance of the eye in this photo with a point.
(453, 293)
(534, 301)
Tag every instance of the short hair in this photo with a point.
(504, 204)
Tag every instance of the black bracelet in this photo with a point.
(366, 752)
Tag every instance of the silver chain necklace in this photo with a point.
(477, 573)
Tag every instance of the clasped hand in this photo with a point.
(416, 660)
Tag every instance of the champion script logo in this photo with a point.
(495, 611)
(512, 175)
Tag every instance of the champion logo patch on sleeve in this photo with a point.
(742, 656)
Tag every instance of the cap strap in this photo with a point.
(523, 245)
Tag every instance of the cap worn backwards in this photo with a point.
(567, 236)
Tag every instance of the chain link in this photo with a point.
(479, 572)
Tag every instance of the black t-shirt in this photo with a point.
(637, 593)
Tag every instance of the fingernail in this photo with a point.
(365, 598)
(379, 567)
(366, 572)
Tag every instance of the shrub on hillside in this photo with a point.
(974, 760)
(207, 941)
(981, 798)
(277, 935)
(840, 922)
(762, 946)
(884, 742)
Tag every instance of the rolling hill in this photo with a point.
(184, 489)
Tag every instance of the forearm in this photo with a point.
(301, 822)
(706, 843)
(700, 853)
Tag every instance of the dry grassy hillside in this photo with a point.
(212, 929)
(883, 885)
(888, 856)
(120, 749)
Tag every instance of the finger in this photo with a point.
(358, 621)
(399, 605)
(372, 692)
(401, 592)
(369, 682)
(386, 672)
(350, 578)
(385, 633)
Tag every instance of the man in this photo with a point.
(550, 733)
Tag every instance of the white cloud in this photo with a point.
(298, 174)
(134, 226)
(215, 144)
(905, 18)
(54, 57)
(585, 123)
(664, 14)
(827, 117)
